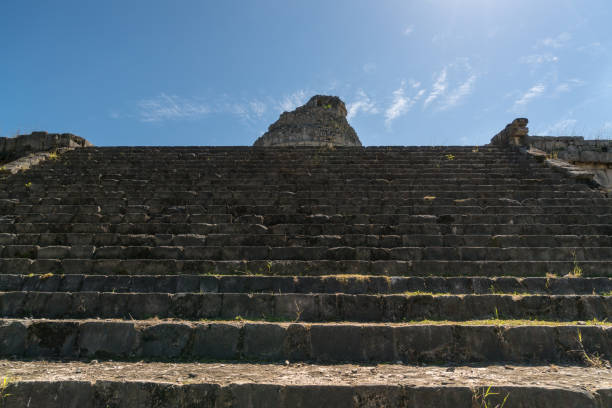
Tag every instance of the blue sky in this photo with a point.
(219, 72)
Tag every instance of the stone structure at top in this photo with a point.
(321, 122)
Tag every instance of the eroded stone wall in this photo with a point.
(580, 158)
(12, 148)
(320, 122)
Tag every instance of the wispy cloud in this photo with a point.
(363, 103)
(402, 103)
(408, 30)
(451, 85)
(532, 93)
(290, 102)
(258, 108)
(170, 107)
(559, 41)
(564, 127)
(439, 87)
(594, 48)
(459, 93)
(568, 85)
(538, 59)
(250, 110)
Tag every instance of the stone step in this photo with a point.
(216, 384)
(413, 178)
(351, 284)
(419, 178)
(408, 177)
(306, 268)
(206, 169)
(303, 307)
(276, 160)
(278, 240)
(25, 213)
(400, 229)
(453, 342)
(409, 233)
(222, 196)
(309, 253)
(360, 185)
(106, 202)
(315, 228)
(306, 218)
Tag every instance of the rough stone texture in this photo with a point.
(22, 152)
(241, 255)
(145, 385)
(321, 122)
(12, 148)
(589, 160)
(574, 149)
(514, 134)
(593, 156)
(411, 343)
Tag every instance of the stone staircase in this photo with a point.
(365, 277)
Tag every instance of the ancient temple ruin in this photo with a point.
(323, 275)
(320, 122)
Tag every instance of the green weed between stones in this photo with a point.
(590, 359)
(576, 270)
(481, 398)
(3, 389)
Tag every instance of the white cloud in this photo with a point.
(564, 127)
(408, 30)
(170, 107)
(459, 93)
(568, 85)
(401, 103)
(439, 87)
(533, 92)
(538, 59)
(594, 48)
(559, 41)
(290, 102)
(258, 108)
(245, 110)
(362, 104)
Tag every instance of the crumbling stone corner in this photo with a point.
(24, 151)
(514, 134)
(12, 148)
